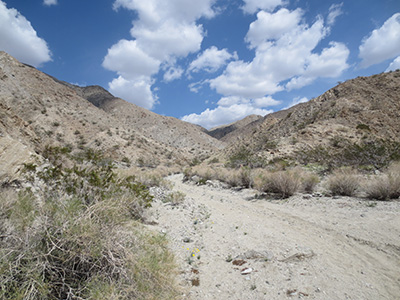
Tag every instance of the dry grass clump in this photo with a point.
(203, 172)
(284, 183)
(309, 181)
(241, 177)
(343, 182)
(151, 177)
(385, 186)
(281, 183)
(175, 198)
(81, 237)
(66, 248)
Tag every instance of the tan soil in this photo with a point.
(315, 248)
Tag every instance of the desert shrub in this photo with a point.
(378, 188)
(245, 177)
(363, 127)
(343, 182)
(230, 177)
(81, 237)
(214, 160)
(175, 198)
(257, 179)
(385, 186)
(152, 179)
(206, 173)
(376, 153)
(195, 161)
(309, 181)
(281, 183)
(241, 157)
(64, 248)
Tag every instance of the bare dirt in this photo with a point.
(231, 245)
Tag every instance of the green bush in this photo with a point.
(363, 127)
(242, 157)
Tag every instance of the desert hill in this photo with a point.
(362, 114)
(167, 130)
(38, 111)
(228, 133)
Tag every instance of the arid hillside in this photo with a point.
(357, 122)
(38, 111)
(228, 133)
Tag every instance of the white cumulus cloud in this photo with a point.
(50, 2)
(334, 11)
(231, 109)
(330, 63)
(163, 32)
(382, 44)
(169, 39)
(173, 73)
(137, 91)
(224, 115)
(272, 26)
(19, 39)
(130, 61)
(394, 65)
(285, 58)
(284, 50)
(211, 60)
(252, 6)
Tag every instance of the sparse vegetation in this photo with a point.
(363, 127)
(385, 186)
(309, 181)
(281, 183)
(376, 153)
(343, 182)
(175, 198)
(81, 237)
(64, 248)
(244, 157)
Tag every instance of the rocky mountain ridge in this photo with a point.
(362, 111)
(38, 111)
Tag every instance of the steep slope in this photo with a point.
(362, 114)
(38, 111)
(228, 133)
(166, 130)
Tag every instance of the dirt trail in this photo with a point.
(230, 245)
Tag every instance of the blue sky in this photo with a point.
(209, 62)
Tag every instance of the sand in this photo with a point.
(230, 245)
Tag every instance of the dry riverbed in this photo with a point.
(231, 245)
